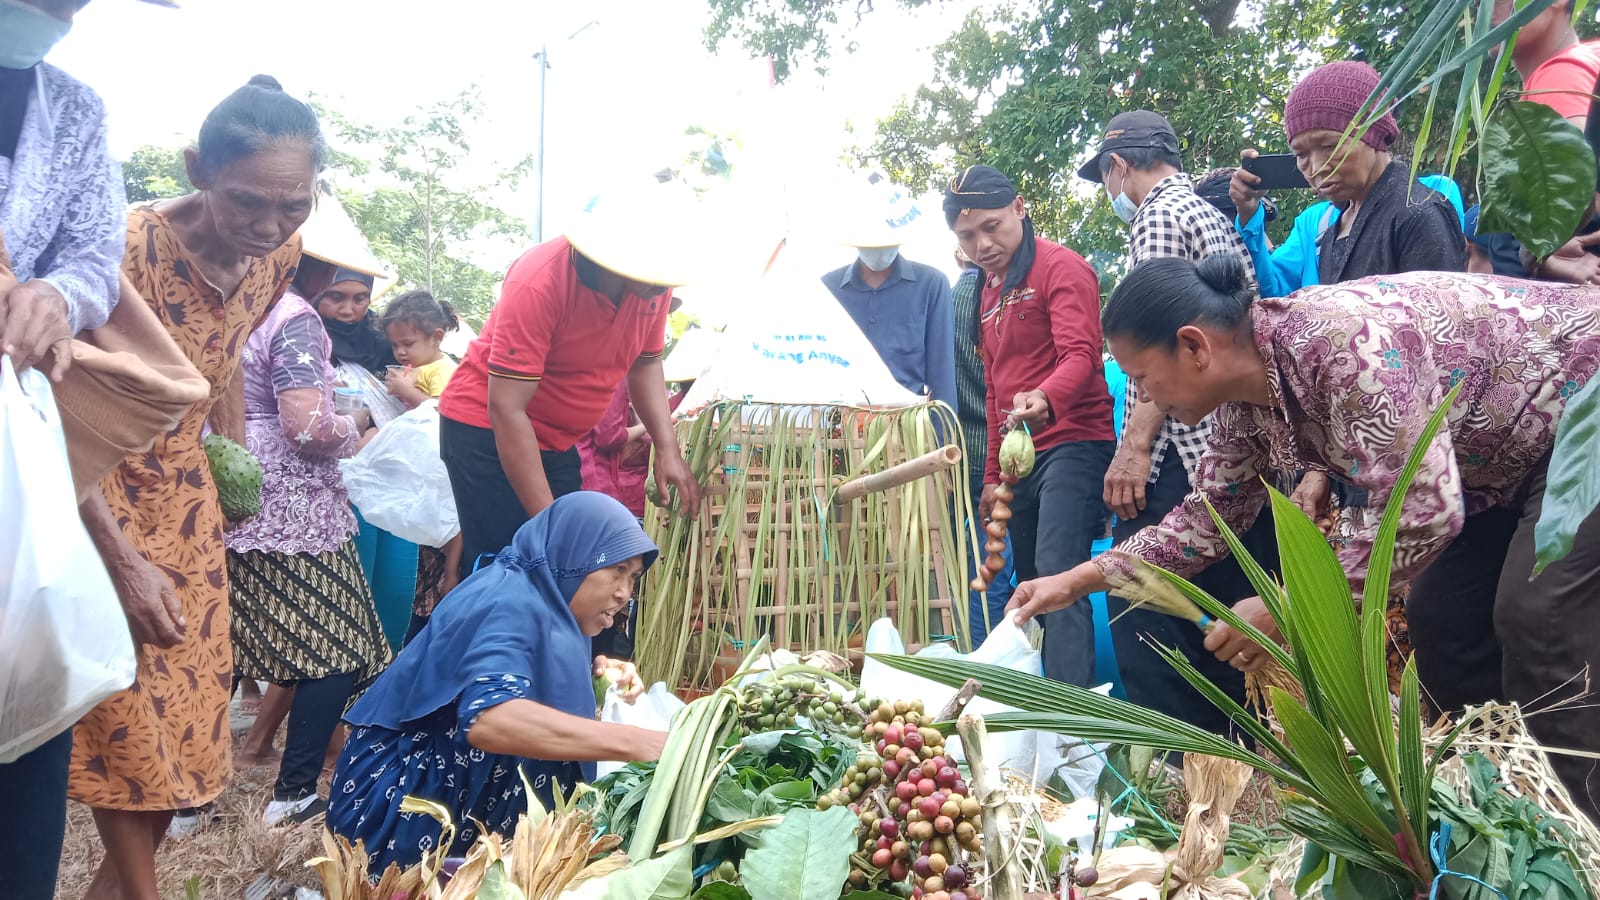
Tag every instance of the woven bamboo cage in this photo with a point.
(775, 552)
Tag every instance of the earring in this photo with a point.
(1197, 364)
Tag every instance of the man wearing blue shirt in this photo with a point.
(903, 308)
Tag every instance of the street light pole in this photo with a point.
(543, 56)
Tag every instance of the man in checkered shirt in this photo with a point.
(1141, 168)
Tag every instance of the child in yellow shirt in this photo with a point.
(416, 324)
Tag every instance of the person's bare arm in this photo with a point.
(535, 731)
(647, 389)
(516, 442)
(154, 614)
(1129, 473)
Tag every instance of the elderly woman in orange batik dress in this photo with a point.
(210, 265)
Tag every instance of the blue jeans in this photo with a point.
(34, 790)
(1058, 512)
(1000, 587)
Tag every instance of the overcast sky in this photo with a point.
(620, 92)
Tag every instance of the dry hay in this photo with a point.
(227, 855)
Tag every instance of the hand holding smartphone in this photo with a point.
(1276, 171)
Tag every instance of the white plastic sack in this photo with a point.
(653, 709)
(1036, 754)
(399, 482)
(64, 643)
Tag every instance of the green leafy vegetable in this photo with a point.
(806, 857)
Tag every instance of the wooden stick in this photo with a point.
(944, 458)
(1005, 872)
(953, 709)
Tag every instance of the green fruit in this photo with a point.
(238, 476)
(1016, 453)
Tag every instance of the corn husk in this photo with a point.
(1189, 872)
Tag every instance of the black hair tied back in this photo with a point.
(254, 116)
(1161, 296)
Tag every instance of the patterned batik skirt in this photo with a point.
(302, 616)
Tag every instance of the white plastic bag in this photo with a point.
(399, 482)
(653, 709)
(1035, 754)
(64, 643)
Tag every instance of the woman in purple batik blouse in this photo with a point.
(1343, 378)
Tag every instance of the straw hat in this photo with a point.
(648, 232)
(329, 234)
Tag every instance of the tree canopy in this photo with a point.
(1028, 86)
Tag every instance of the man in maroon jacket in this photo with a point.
(1038, 326)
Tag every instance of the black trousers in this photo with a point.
(34, 789)
(313, 714)
(490, 512)
(1058, 513)
(1149, 680)
(486, 503)
(1482, 630)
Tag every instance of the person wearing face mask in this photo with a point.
(903, 307)
(1037, 326)
(1141, 168)
(63, 229)
(62, 207)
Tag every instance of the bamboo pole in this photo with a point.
(944, 458)
(1005, 869)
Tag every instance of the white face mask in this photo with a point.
(27, 34)
(878, 258)
(1122, 204)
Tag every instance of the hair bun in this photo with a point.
(265, 81)
(1222, 272)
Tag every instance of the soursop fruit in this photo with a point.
(238, 477)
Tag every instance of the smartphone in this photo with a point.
(1277, 171)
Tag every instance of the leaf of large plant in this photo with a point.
(1539, 176)
(1068, 709)
(807, 856)
(1414, 780)
(1572, 487)
(666, 877)
(1327, 767)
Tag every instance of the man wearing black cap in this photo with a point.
(1038, 328)
(1140, 165)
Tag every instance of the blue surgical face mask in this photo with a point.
(27, 34)
(878, 258)
(1122, 205)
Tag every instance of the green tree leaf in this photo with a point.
(807, 856)
(1539, 176)
(1572, 485)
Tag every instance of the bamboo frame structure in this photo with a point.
(774, 551)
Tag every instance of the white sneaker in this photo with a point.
(281, 812)
(189, 822)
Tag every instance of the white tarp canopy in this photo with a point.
(792, 343)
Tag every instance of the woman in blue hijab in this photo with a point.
(498, 680)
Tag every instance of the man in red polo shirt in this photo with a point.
(1039, 330)
(577, 315)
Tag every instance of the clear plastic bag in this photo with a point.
(64, 642)
(399, 482)
(384, 406)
